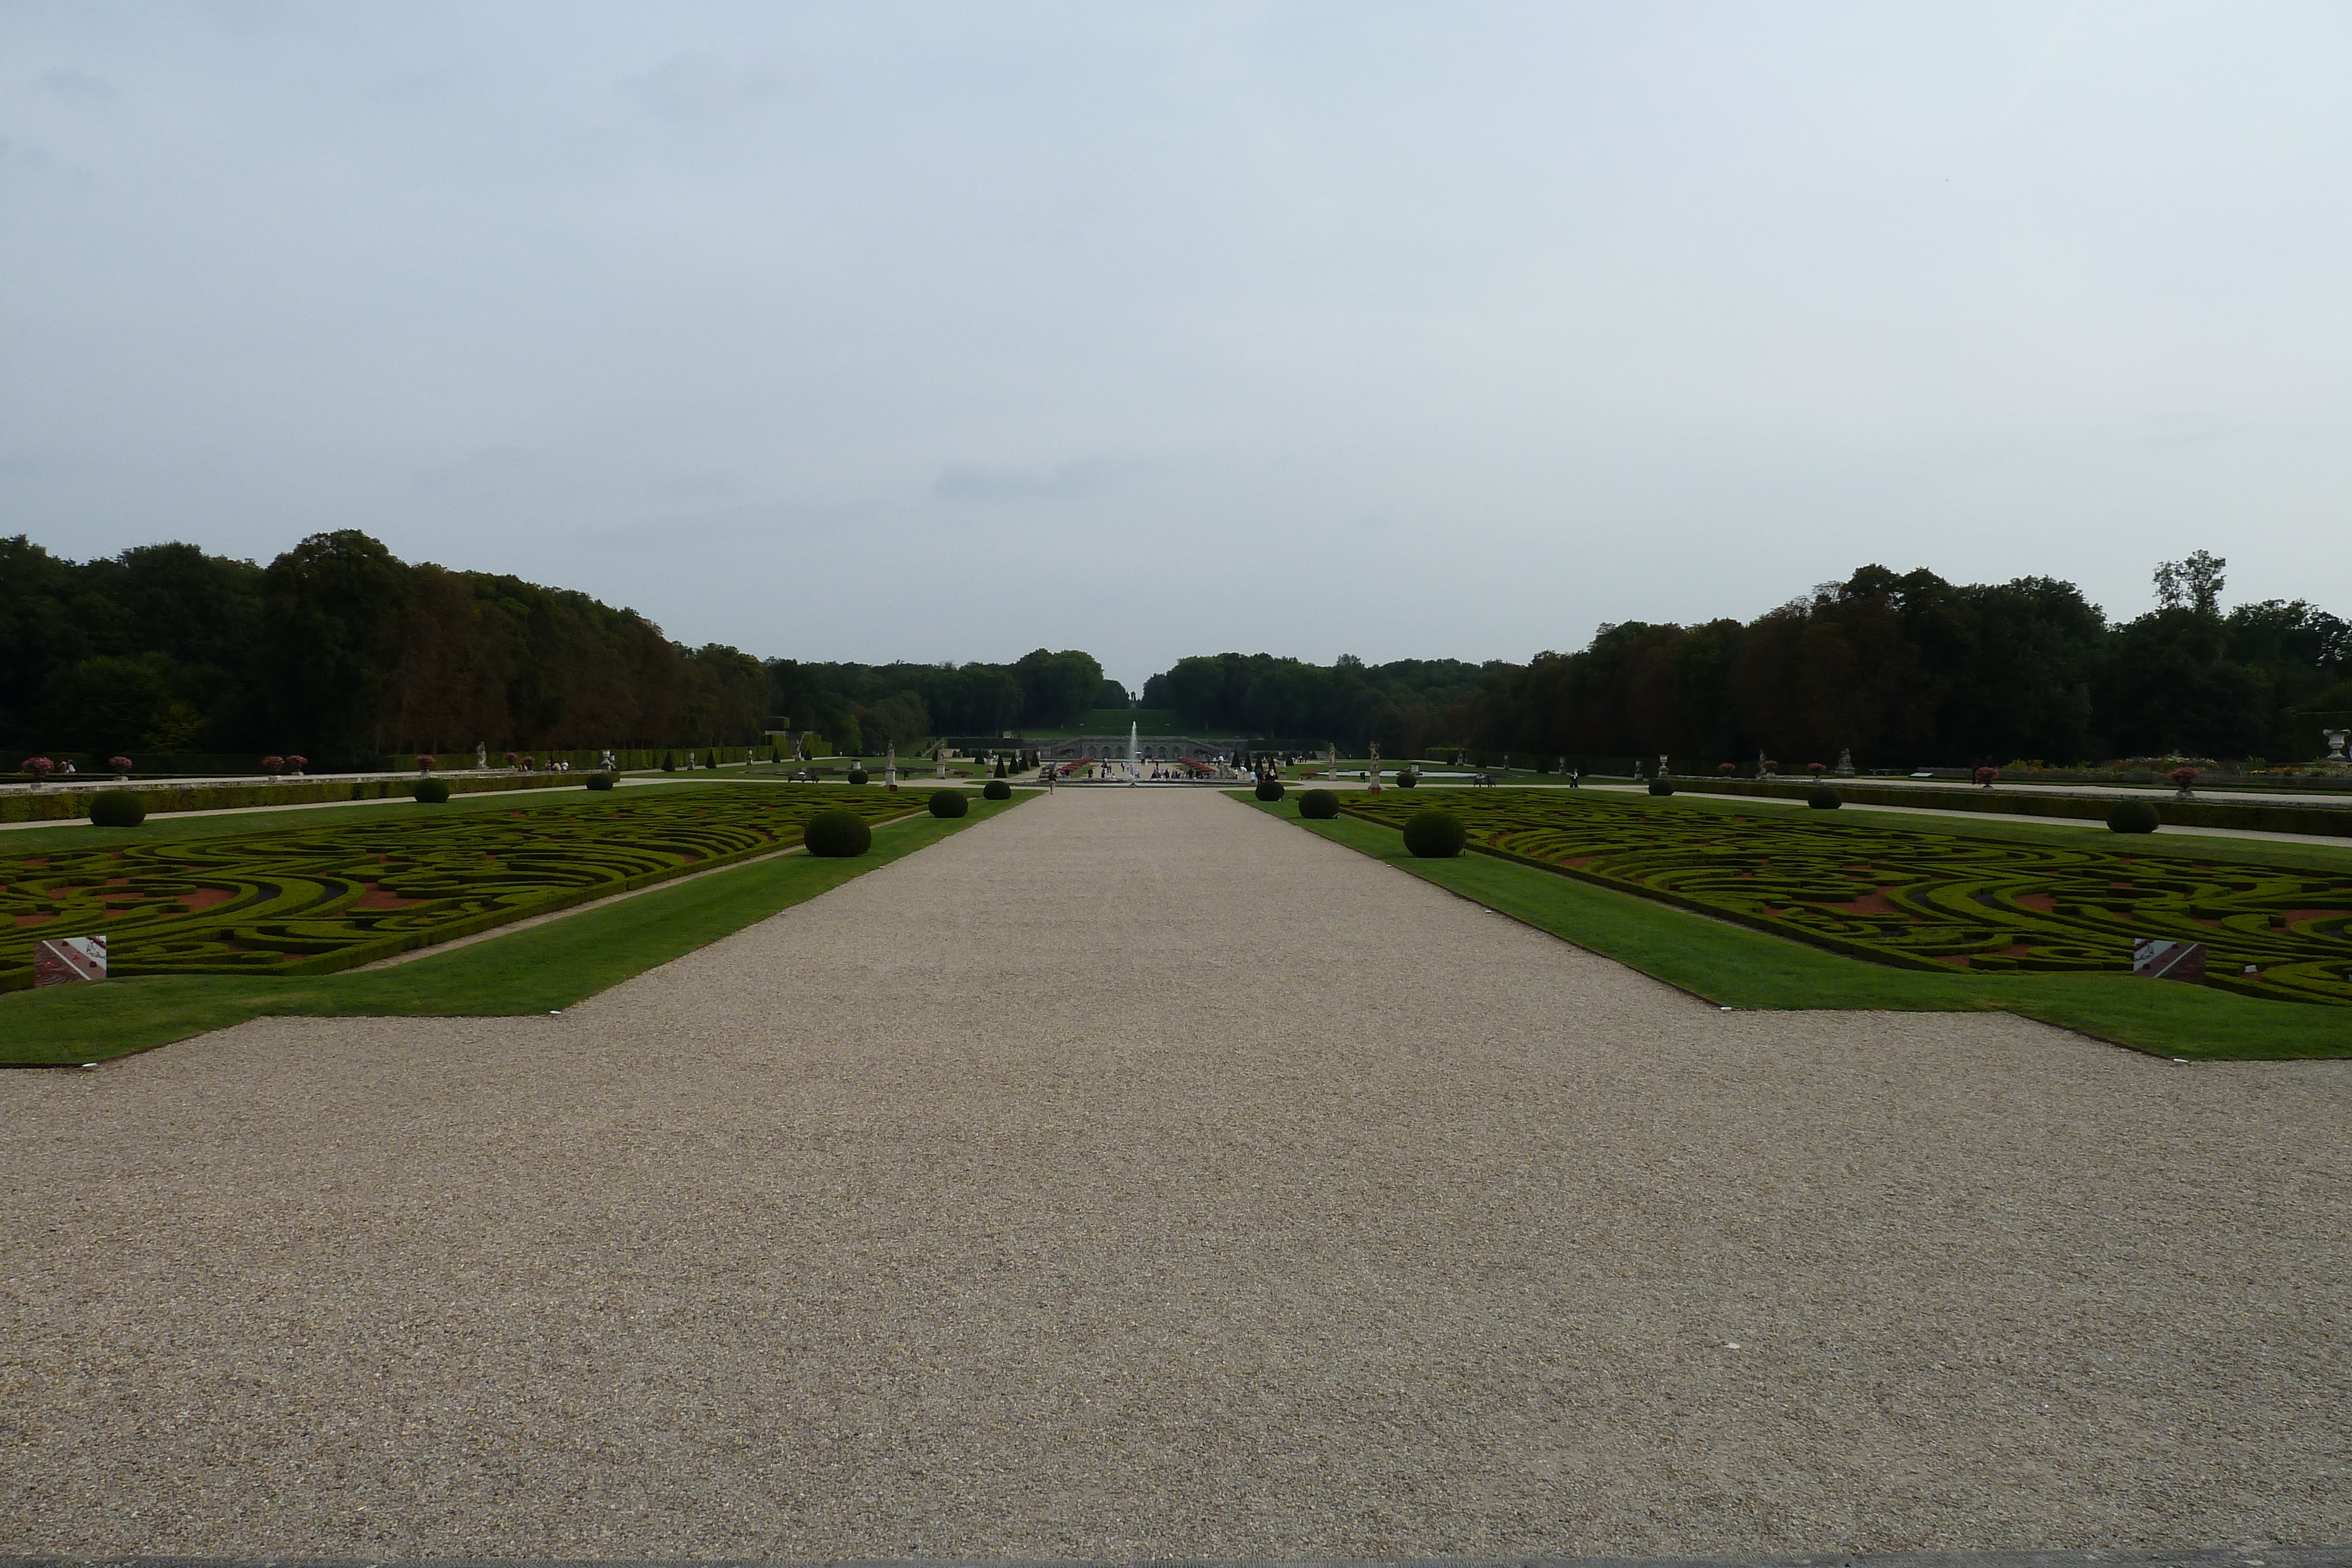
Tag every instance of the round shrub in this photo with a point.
(949, 803)
(600, 782)
(116, 808)
(997, 790)
(2133, 817)
(857, 776)
(839, 834)
(1320, 804)
(1269, 789)
(1822, 798)
(1408, 779)
(431, 792)
(1662, 786)
(1434, 835)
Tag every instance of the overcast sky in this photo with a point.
(943, 331)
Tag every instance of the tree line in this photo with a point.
(1903, 669)
(339, 650)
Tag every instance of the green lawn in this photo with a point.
(538, 970)
(1734, 965)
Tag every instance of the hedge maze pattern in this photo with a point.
(1926, 900)
(307, 903)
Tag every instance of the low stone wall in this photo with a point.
(2321, 821)
(73, 805)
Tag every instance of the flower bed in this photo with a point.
(310, 902)
(1928, 900)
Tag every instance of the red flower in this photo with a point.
(119, 764)
(273, 765)
(1816, 768)
(1725, 769)
(2182, 778)
(296, 763)
(1985, 776)
(40, 767)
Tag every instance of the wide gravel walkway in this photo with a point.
(1135, 1175)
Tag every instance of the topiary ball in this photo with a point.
(1408, 779)
(2133, 817)
(1269, 789)
(600, 782)
(997, 790)
(1822, 797)
(1434, 835)
(857, 776)
(117, 809)
(949, 803)
(1320, 804)
(431, 792)
(1662, 786)
(838, 834)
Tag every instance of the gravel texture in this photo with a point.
(1133, 1174)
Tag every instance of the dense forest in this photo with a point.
(341, 650)
(1904, 669)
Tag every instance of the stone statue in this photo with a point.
(1845, 762)
(890, 769)
(1376, 768)
(481, 754)
(1661, 765)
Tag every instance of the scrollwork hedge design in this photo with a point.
(306, 901)
(1926, 900)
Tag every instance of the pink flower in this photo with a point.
(119, 764)
(40, 767)
(273, 765)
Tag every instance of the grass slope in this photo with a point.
(533, 971)
(1734, 966)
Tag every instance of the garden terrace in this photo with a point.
(297, 902)
(1926, 900)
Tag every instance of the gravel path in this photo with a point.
(1133, 1174)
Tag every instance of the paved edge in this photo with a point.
(2122, 1557)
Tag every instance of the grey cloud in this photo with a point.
(700, 85)
(980, 481)
(68, 82)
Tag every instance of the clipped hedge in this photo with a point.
(1320, 804)
(1823, 797)
(67, 805)
(2319, 822)
(1434, 835)
(856, 775)
(837, 835)
(600, 782)
(949, 803)
(997, 790)
(2133, 817)
(432, 792)
(1269, 789)
(116, 808)
(1662, 786)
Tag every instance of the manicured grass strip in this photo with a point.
(1734, 966)
(532, 971)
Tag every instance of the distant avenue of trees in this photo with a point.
(1904, 669)
(339, 650)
